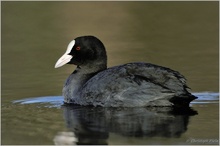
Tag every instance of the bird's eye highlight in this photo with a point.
(78, 48)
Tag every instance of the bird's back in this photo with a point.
(136, 84)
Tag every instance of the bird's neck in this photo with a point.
(74, 83)
(92, 67)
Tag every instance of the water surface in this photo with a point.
(149, 125)
(183, 36)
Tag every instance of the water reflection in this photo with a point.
(93, 125)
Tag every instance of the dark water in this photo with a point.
(179, 35)
(98, 125)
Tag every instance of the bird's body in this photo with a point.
(129, 85)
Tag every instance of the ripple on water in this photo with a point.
(53, 101)
(57, 101)
(206, 97)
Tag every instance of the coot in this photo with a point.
(129, 85)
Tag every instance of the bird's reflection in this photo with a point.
(92, 125)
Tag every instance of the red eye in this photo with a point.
(78, 48)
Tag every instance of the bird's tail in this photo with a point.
(183, 100)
